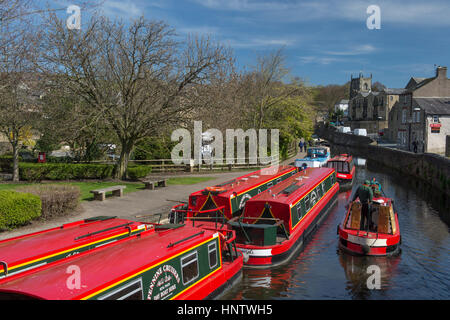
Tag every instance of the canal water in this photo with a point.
(322, 271)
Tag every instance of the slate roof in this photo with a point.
(394, 90)
(437, 106)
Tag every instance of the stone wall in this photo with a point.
(447, 146)
(431, 168)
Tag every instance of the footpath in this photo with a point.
(148, 203)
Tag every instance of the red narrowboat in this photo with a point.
(33, 250)
(278, 222)
(159, 262)
(382, 237)
(230, 196)
(345, 168)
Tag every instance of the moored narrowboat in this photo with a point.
(278, 222)
(226, 200)
(315, 157)
(381, 237)
(161, 262)
(345, 168)
(33, 250)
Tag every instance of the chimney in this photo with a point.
(441, 72)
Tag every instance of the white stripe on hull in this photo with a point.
(367, 241)
(257, 252)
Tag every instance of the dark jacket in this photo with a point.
(364, 193)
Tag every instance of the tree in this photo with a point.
(137, 79)
(20, 89)
(272, 99)
(325, 97)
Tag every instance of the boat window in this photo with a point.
(299, 211)
(269, 185)
(212, 254)
(189, 267)
(278, 180)
(130, 291)
(339, 166)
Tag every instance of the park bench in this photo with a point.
(100, 194)
(150, 184)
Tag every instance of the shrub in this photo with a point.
(64, 171)
(6, 163)
(138, 172)
(17, 208)
(57, 200)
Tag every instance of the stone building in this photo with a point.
(422, 114)
(370, 109)
(343, 106)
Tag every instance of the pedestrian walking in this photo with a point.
(301, 145)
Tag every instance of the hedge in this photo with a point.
(18, 208)
(57, 200)
(64, 171)
(138, 172)
(72, 171)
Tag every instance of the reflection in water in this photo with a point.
(357, 273)
(321, 271)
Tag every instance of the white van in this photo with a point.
(360, 132)
(344, 129)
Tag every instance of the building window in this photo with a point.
(403, 116)
(418, 116)
(391, 98)
(436, 119)
(189, 267)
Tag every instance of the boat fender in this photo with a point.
(215, 189)
(365, 248)
(222, 240)
(245, 255)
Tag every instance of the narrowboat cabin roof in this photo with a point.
(318, 151)
(342, 157)
(250, 181)
(20, 253)
(104, 267)
(289, 190)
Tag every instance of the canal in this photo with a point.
(321, 271)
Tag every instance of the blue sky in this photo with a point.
(324, 41)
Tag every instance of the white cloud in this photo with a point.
(122, 9)
(408, 12)
(259, 42)
(353, 50)
(318, 60)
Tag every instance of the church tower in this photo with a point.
(360, 84)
